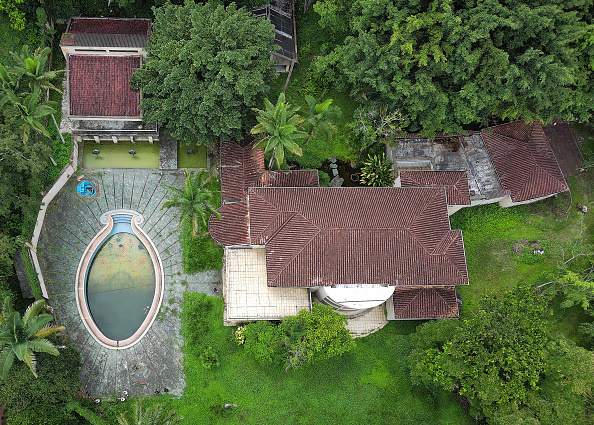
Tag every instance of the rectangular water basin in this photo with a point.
(116, 155)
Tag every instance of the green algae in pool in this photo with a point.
(120, 286)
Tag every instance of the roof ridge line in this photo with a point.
(415, 297)
(287, 263)
(282, 226)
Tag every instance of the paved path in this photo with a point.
(155, 363)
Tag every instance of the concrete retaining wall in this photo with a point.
(62, 179)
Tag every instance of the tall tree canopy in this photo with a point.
(504, 362)
(446, 64)
(207, 65)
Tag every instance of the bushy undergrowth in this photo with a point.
(199, 252)
(31, 275)
(360, 386)
(30, 400)
(308, 337)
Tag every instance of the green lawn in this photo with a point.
(368, 385)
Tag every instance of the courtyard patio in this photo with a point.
(155, 362)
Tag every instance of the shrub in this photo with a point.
(199, 252)
(22, 394)
(305, 338)
(377, 171)
(209, 358)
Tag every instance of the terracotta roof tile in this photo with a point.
(326, 236)
(109, 26)
(455, 182)
(242, 167)
(100, 86)
(425, 302)
(524, 160)
(233, 229)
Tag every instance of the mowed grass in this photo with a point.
(369, 385)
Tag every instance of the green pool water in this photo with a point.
(115, 155)
(198, 160)
(120, 286)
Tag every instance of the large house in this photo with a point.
(288, 241)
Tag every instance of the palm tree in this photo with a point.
(319, 117)
(279, 125)
(194, 199)
(154, 415)
(21, 337)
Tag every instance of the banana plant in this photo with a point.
(279, 126)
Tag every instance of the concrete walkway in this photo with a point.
(155, 363)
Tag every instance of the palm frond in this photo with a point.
(42, 345)
(48, 330)
(6, 361)
(30, 360)
(35, 324)
(33, 310)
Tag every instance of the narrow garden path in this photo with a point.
(154, 363)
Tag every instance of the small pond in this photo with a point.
(348, 173)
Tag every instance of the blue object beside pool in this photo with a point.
(85, 188)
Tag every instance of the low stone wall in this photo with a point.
(62, 179)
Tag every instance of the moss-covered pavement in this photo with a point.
(155, 363)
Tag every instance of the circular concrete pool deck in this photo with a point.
(155, 362)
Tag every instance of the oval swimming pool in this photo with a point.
(119, 281)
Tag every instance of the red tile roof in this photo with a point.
(455, 182)
(100, 86)
(327, 236)
(437, 302)
(109, 26)
(524, 160)
(242, 167)
(564, 147)
(233, 228)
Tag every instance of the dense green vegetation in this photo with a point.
(308, 337)
(207, 65)
(360, 386)
(199, 251)
(449, 64)
(389, 65)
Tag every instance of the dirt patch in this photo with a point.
(529, 247)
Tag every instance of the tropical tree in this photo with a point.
(154, 415)
(21, 337)
(31, 70)
(319, 117)
(32, 111)
(195, 199)
(207, 65)
(280, 127)
(451, 64)
(16, 16)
